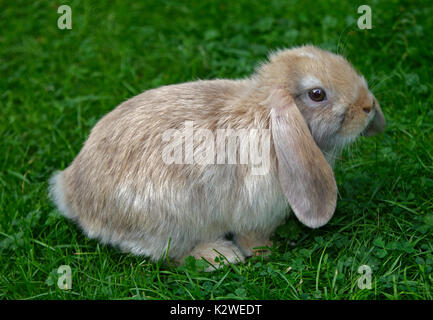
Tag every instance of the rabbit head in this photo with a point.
(318, 103)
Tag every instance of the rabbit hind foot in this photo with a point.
(217, 253)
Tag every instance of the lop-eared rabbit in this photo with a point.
(120, 189)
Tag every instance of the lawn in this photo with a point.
(55, 84)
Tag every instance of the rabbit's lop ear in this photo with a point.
(306, 178)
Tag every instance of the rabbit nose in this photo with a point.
(378, 123)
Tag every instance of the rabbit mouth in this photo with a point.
(367, 127)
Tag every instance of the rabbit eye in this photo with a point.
(317, 94)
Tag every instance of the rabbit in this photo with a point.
(120, 191)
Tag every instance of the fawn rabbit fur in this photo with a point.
(120, 191)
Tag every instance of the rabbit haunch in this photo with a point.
(119, 189)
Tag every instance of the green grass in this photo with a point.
(55, 84)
